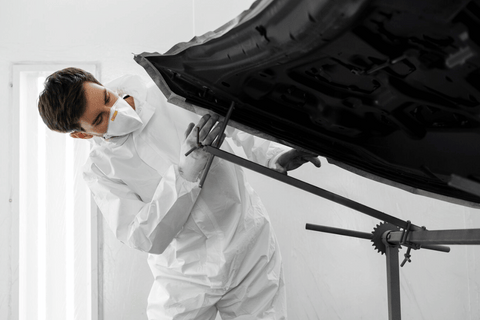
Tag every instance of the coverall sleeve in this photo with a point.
(256, 149)
(146, 226)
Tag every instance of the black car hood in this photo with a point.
(386, 89)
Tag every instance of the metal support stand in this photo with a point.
(393, 239)
(412, 236)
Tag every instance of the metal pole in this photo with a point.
(426, 237)
(342, 232)
(393, 281)
(308, 187)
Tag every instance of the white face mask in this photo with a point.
(122, 120)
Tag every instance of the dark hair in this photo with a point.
(63, 102)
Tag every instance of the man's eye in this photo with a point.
(99, 120)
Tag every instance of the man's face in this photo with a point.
(95, 119)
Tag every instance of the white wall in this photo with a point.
(328, 276)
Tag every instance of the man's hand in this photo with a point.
(293, 159)
(192, 165)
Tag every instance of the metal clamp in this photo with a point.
(405, 232)
(407, 257)
(410, 245)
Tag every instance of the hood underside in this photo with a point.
(387, 89)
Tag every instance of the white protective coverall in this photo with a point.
(210, 248)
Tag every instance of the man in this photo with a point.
(212, 248)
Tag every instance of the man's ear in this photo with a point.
(80, 135)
